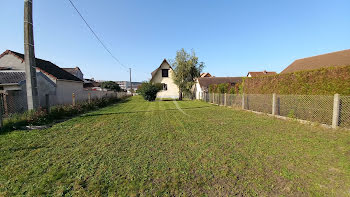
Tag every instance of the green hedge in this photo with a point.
(224, 88)
(42, 117)
(325, 81)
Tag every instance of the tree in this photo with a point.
(111, 85)
(186, 70)
(149, 90)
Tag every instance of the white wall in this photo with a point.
(65, 89)
(45, 86)
(173, 90)
(13, 62)
(198, 90)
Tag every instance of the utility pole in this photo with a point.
(130, 81)
(29, 56)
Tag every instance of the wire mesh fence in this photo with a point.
(234, 100)
(15, 102)
(314, 108)
(258, 102)
(344, 120)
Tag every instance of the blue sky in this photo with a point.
(231, 37)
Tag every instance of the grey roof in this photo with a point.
(12, 77)
(205, 82)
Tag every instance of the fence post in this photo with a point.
(225, 100)
(47, 103)
(89, 97)
(1, 109)
(73, 99)
(4, 100)
(274, 103)
(243, 101)
(212, 100)
(336, 111)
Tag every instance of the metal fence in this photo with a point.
(14, 102)
(331, 110)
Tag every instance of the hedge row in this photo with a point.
(42, 117)
(224, 88)
(325, 81)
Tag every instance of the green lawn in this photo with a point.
(153, 148)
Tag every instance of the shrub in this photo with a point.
(213, 88)
(41, 116)
(223, 88)
(149, 90)
(232, 90)
(111, 85)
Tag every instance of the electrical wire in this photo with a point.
(97, 37)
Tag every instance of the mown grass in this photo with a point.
(152, 148)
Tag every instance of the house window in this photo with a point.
(165, 86)
(165, 72)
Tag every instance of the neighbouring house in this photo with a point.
(339, 58)
(260, 74)
(91, 84)
(164, 75)
(14, 84)
(51, 79)
(76, 72)
(125, 85)
(203, 83)
(205, 75)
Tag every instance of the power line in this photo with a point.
(93, 32)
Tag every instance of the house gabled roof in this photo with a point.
(156, 70)
(339, 58)
(47, 67)
(205, 75)
(262, 73)
(12, 77)
(207, 81)
(72, 70)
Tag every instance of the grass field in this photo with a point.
(153, 148)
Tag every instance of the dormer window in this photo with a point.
(165, 72)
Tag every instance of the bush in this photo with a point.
(149, 90)
(111, 85)
(213, 88)
(223, 88)
(41, 116)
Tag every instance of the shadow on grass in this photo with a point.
(169, 99)
(143, 111)
(50, 121)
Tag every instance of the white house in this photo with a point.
(203, 83)
(164, 75)
(51, 79)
